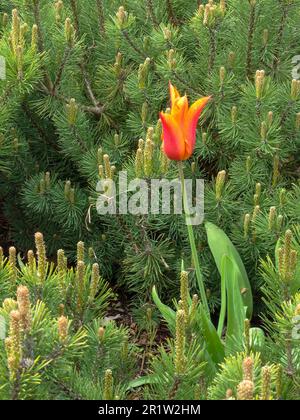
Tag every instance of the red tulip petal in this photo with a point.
(173, 138)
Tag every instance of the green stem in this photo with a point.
(192, 242)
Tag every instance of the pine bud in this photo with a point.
(144, 113)
(247, 221)
(295, 89)
(259, 83)
(41, 254)
(265, 37)
(223, 7)
(248, 164)
(9, 305)
(279, 374)
(263, 131)
(139, 163)
(101, 172)
(69, 32)
(234, 112)
(222, 75)
(31, 261)
(12, 261)
(247, 338)
(101, 333)
(63, 328)
(167, 34)
(266, 383)
(34, 37)
(4, 20)
(15, 34)
(220, 182)
(61, 269)
(118, 64)
(245, 390)
(248, 369)
(58, 8)
(23, 300)
(298, 121)
(276, 172)
(122, 17)
(80, 284)
(143, 73)
(67, 190)
(108, 385)
(72, 111)
(272, 218)
(180, 343)
(94, 281)
(19, 58)
(282, 197)
(14, 344)
(80, 251)
(148, 158)
(107, 166)
(231, 60)
(171, 59)
(204, 138)
(184, 293)
(194, 307)
(270, 118)
(164, 161)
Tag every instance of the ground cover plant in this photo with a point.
(145, 306)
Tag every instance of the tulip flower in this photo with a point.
(179, 127)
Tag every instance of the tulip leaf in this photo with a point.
(221, 245)
(214, 345)
(236, 311)
(168, 314)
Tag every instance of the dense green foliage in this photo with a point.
(85, 82)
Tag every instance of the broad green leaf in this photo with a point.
(236, 312)
(214, 345)
(220, 245)
(144, 380)
(168, 314)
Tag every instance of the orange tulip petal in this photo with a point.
(192, 119)
(180, 109)
(173, 138)
(174, 94)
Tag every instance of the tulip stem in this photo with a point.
(192, 241)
